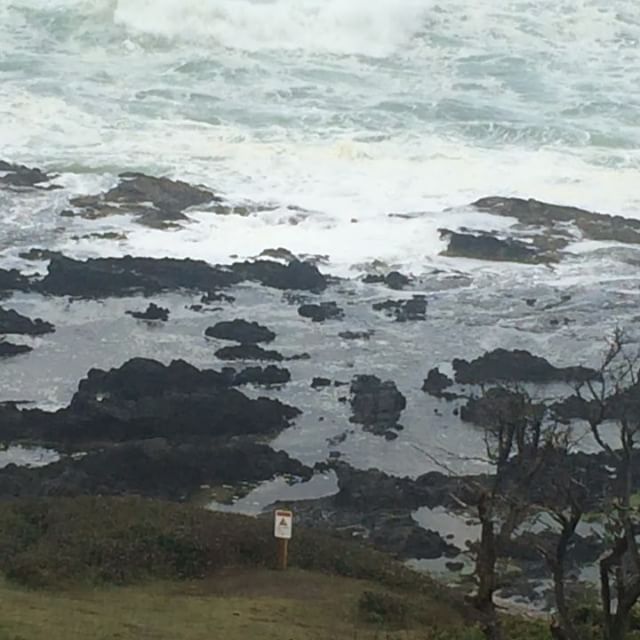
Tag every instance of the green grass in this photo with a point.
(125, 568)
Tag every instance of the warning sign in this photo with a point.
(283, 524)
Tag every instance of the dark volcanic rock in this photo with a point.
(378, 508)
(295, 275)
(7, 349)
(555, 218)
(270, 375)
(319, 383)
(153, 312)
(12, 322)
(17, 175)
(13, 280)
(103, 277)
(356, 335)
(436, 383)
(516, 366)
(497, 403)
(404, 310)
(153, 468)
(157, 202)
(376, 405)
(248, 352)
(146, 399)
(241, 331)
(321, 312)
(393, 280)
(482, 246)
(216, 296)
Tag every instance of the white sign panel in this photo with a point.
(283, 524)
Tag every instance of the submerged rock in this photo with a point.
(7, 349)
(153, 312)
(404, 310)
(393, 280)
(321, 312)
(356, 335)
(501, 365)
(377, 405)
(248, 352)
(241, 331)
(11, 322)
(270, 375)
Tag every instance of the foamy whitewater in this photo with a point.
(350, 109)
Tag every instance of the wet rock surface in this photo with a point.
(502, 365)
(248, 352)
(436, 384)
(145, 399)
(321, 312)
(404, 310)
(377, 405)
(104, 277)
(153, 468)
(8, 349)
(268, 376)
(241, 331)
(152, 312)
(18, 175)
(393, 280)
(356, 335)
(484, 246)
(155, 202)
(556, 220)
(11, 322)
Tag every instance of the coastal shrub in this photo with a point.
(383, 608)
(57, 541)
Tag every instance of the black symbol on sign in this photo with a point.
(283, 523)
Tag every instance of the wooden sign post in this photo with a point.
(283, 528)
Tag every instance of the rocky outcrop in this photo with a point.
(155, 202)
(267, 376)
(153, 312)
(18, 175)
(11, 322)
(377, 508)
(557, 219)
(7, 349)
(436, 384)
(356, 335)
(393, 280)
(377, 405)
(146, 399)
(153, 468)
(404, 310)
(12, 280)
(321, 312)
(104, 277)
(484, 246)
(248, 352)
(296, 275)
(241, 331)
(501, 365)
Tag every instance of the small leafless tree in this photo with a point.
(612, 410)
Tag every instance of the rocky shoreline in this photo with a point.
(376, 360)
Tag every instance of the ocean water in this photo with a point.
(349, 109)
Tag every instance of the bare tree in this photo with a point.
(612, 409)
